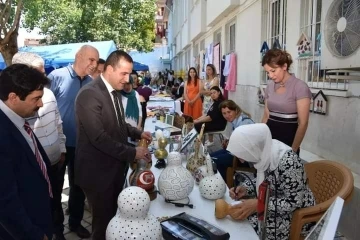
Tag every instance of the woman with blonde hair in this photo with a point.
(237, 117)
(211, 81)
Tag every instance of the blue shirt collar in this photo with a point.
(74, 74)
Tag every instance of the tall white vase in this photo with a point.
(132, 220)
(212, 186)
(175, 181)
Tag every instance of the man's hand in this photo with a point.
(147, 136)
(244, 209)
(143, 153)
(62, 161)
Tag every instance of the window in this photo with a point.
(310, 24)
(311, 21)
(232, 37)
(202, 45)
(276, 24)
(274, 27)
(217, 37)
(196, 50)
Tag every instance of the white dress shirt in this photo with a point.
(47, 126)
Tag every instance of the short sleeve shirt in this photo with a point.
(296, 89)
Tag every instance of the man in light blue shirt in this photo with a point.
(65, 84)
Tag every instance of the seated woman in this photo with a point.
(237, 117)
(214, 120)
(281, 168)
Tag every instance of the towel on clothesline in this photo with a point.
(231, 80)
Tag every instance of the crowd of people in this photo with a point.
(87, 117)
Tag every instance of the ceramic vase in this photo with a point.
(175, 181)
(132, 220)
(212, 186)
(222, 208)
(196, 159)
(200, 173)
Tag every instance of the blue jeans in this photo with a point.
(224, 160)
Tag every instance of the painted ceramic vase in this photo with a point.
(200, 173)
(196, 159)
(222, 208)
(175, 181)
(132, 220)
(212, 186)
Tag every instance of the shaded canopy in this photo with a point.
(61, 55)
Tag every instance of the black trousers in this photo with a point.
(76, 195)
(56, 206)
(209, 127)
(284, 132)
(103, 207)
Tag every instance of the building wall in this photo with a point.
(335, 136)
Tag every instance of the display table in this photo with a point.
(203, 208)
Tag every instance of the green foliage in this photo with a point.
(130, 23)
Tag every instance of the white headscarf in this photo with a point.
(253, 143)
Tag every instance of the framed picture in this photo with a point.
(188, 138)
(169, 119)
(326, 227)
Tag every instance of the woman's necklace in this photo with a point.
(282, 84)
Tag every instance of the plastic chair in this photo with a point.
(235, 167)
(327, 180)
(221, 133)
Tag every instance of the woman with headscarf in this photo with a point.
(281, 168)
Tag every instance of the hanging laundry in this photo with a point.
(227, 65)
(231, 80)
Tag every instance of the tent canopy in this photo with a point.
(140, 67)
(61, 55)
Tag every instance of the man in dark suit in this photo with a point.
(102, 153)
(25, 211)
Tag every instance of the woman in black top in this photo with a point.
(214, 120)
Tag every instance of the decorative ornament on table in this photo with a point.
(143, 177)
(175, 181)
(142, 143)
(213, 186)
(197, 158)
(132, 220)
(222, 208)
(161, 153)
(202, 171)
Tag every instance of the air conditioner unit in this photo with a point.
(340, 44)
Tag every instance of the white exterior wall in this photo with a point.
(335, 136)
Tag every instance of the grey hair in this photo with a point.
(28, 58)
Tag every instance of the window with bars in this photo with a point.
(310, 24)
(276, 26)
(274, 21)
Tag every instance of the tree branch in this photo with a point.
(5, 14)
(16, 22)
(6, 6)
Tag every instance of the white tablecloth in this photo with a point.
(203, 208)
